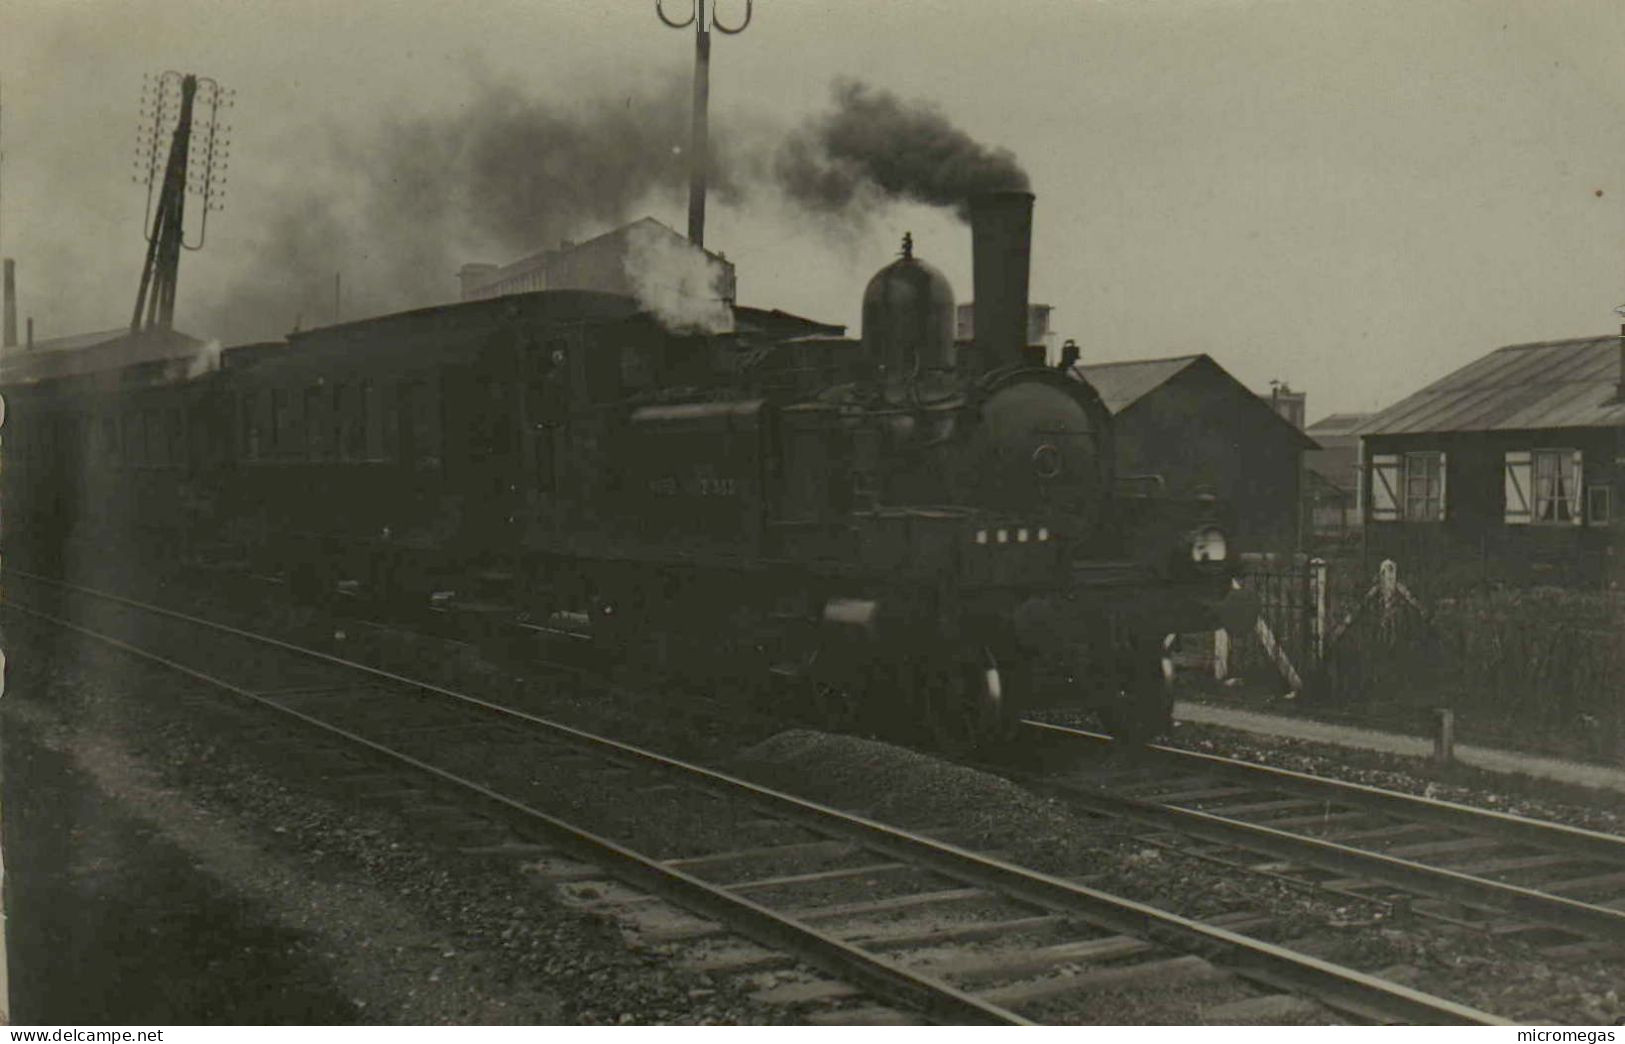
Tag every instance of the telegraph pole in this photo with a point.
(699, 146)
(169, 102)
(2, 168)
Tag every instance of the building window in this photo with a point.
(1424, 487)
(1557, 486)
(1543, 487)
(1408, 487)
(1599, 505)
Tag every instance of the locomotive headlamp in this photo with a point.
(1208, 545)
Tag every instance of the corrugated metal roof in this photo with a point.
(68, 343)
(1336, 424)
(1121, 384)
(82, 354)
(1522, 387)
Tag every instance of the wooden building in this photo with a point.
(1332, 477)
(1189, 421)
(1511, 467)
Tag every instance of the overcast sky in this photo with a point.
(1355, 196)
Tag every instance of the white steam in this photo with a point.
(683, 286)
(205, 359)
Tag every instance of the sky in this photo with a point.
(1353, 196)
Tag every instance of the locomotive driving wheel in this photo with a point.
(963, 700)
(1142, 707)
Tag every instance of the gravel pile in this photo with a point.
(905, 787)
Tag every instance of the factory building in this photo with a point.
(608, 263)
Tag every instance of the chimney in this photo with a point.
(1001, 241)
(10, 334)
(1619, 389)
(30, 333)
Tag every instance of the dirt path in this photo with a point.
(1487, 758)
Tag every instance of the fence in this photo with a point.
(1540, 668)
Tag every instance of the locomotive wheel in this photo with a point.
(832, 696)
(835, 707)
(964, 702)
(1143, 707)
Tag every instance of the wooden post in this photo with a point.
(1278, 656)
(1444, 735)
(1221, 654)
(1317, 609)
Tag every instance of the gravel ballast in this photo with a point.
(332, 909)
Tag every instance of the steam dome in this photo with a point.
(908, 317)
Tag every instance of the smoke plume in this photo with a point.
(874, 148)
(684, 288)
(399, 210)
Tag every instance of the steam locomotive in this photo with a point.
(900, 531)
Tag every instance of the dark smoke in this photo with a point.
(875, 148)
(401, 209)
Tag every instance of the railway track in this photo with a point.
(1560, 888)
(897, 920)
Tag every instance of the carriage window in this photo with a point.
(415, 425)
(315, 432)
(251, 427)
(350, 420)
(152, 441)
(284, 429)
(177, 438)
(341, 410)
(491, 428)
(371, 438)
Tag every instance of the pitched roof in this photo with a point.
(1122, 384)
(1337, 424)
(1522, 387)
(79, 354)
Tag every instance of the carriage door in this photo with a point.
(485, 406)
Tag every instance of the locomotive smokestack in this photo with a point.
(1001, 244)
(10, 319)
